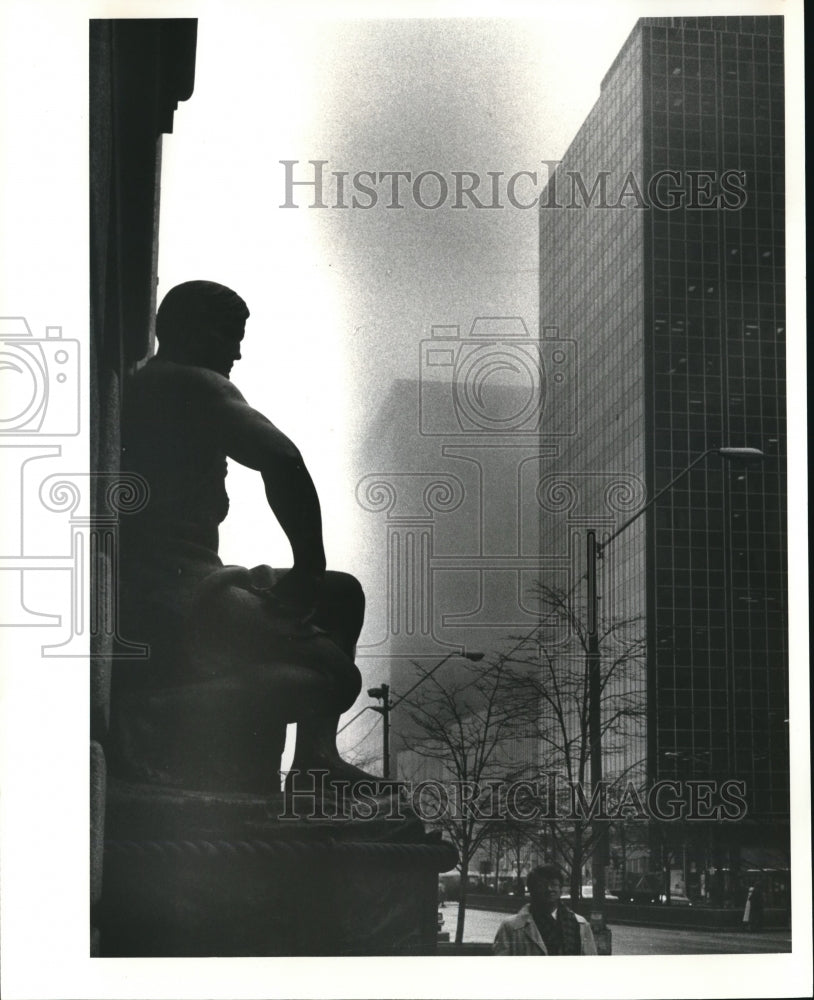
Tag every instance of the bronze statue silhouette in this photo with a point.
(245, 650)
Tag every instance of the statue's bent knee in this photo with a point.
(212, 708)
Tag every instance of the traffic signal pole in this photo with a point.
(383, 693)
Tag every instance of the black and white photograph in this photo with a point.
(404, 550)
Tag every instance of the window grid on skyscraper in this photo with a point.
(679, 315)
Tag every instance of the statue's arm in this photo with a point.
(251, 439)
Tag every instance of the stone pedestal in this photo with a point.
(196, 874)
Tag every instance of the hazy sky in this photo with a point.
(340, 298)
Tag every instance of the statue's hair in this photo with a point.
(544, 873)
(188, 307)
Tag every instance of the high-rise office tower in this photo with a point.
(662, 254)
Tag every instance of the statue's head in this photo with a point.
(201, 323)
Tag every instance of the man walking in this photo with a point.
(545, 926)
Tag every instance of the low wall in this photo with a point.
(495, 903)
(647, 915)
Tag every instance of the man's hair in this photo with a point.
(544, 873)
(189, 307)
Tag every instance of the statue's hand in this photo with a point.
(297, 593)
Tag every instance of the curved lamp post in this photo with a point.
(595, 551)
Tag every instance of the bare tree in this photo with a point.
(520, 839)
(463, 734)
(366, 752)
(524, 714)
(552, 697)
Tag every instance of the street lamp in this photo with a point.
(383, 694)
(595, 551)
(746, 455)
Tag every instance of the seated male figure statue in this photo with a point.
(241, 651)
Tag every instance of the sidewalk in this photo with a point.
(480, 927)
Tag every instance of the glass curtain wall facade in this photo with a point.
(591, 276)
(716, 371)
(661, 250)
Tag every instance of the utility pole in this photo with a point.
(383, 693)
(594, 666)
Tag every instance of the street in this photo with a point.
(482, 925)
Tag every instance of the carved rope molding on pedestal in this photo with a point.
(288, 850)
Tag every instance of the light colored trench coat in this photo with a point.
(519, 936)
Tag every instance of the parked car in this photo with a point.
(587, 892)
(649, 888)
(676, 899)
(646, 888)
